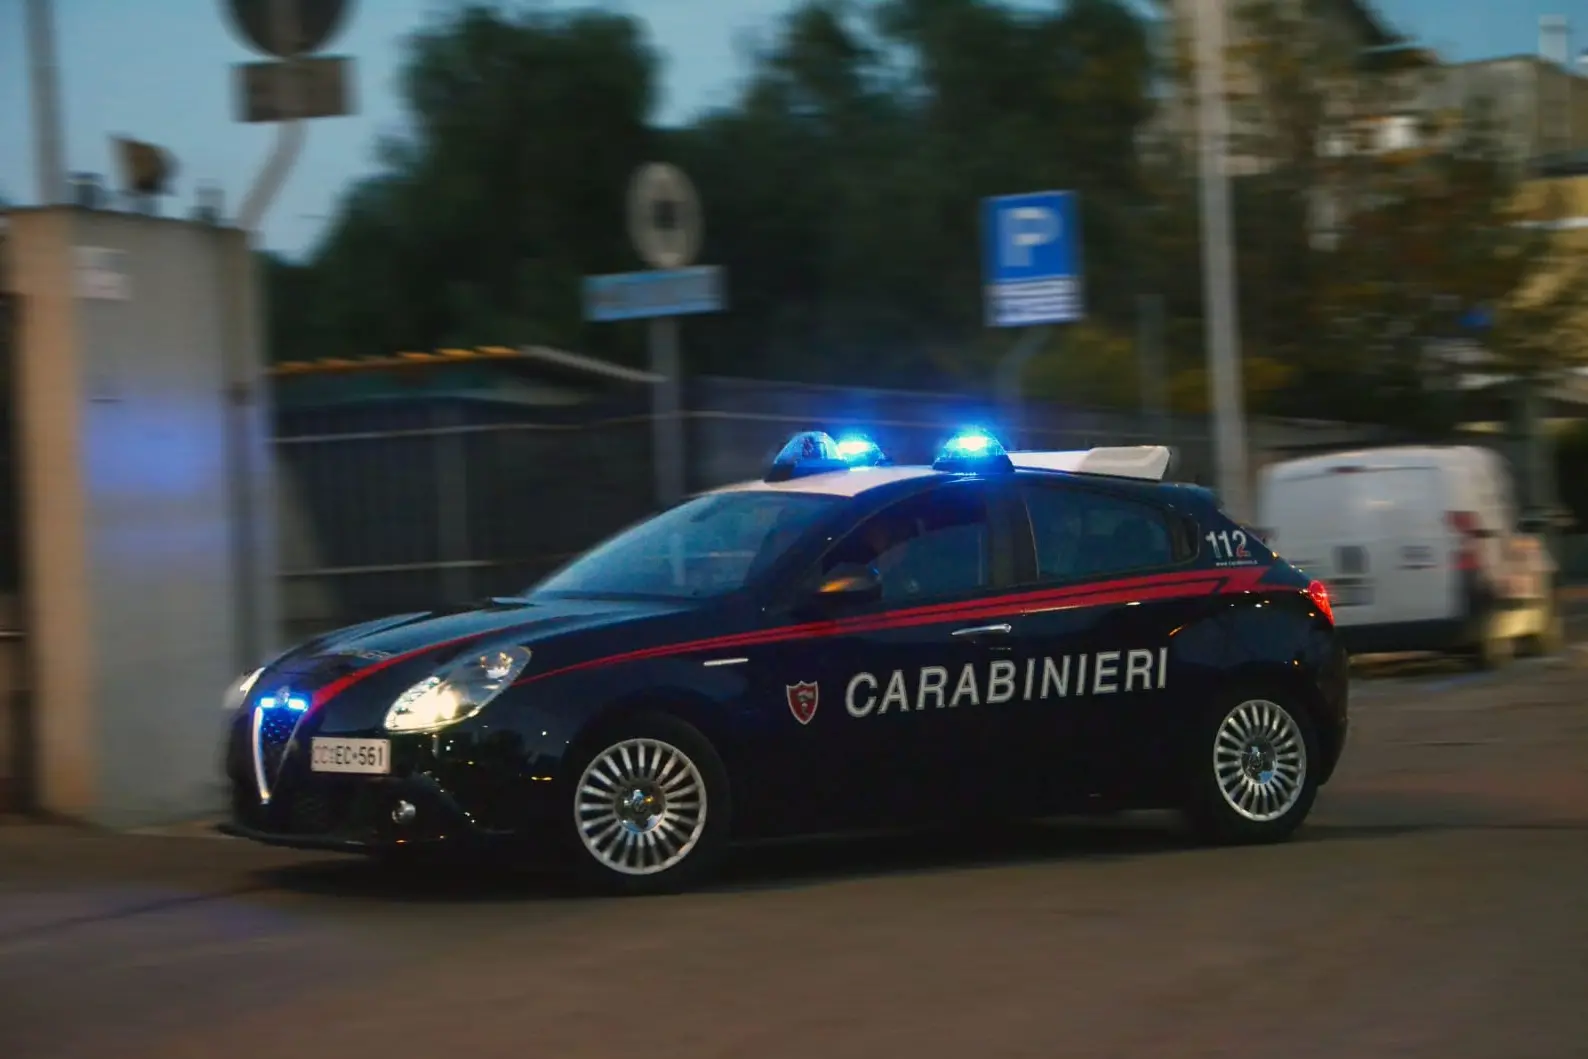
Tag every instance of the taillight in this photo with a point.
(1466, 524)
(1319, 592)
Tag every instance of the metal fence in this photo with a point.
(398, 505)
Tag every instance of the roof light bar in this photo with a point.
(972, 451)
(815, 452)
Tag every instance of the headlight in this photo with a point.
(237, 693)
(458, 692)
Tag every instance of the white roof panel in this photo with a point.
(835, 483)
(1126, 461)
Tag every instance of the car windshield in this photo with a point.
(709, 546)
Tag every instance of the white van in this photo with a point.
(1419, 547)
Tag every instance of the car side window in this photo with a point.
(931, 545)
(1079, 533)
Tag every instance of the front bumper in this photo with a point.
(356, 814)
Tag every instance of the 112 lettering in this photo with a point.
(1228, 544)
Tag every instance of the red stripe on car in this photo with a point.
(1181, 584)
(347, 680)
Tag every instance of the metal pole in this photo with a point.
(290, 134)
(46, 103)
(245, 477)
(1009, 382)
(1218, 267)
(667, 424)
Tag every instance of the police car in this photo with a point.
(846, 644)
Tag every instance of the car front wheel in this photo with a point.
(650, 808)
(1253, 779)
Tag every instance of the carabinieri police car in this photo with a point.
(844, 645)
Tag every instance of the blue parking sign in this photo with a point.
(1031, 259)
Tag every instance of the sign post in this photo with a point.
(1031, 269)
(665, 226)
(296, 87)
(285, 92)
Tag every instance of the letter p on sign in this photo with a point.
(1026, 227)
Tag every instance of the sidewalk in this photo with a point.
(37, 855)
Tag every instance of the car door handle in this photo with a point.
(977, 632)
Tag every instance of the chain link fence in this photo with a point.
(406, 504)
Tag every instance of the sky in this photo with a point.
(159, 70)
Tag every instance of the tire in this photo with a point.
(1492, 651)
(1276, 724)
(629, 848)
(1550, 639)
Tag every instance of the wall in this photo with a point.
(146, 495)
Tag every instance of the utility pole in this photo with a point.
(1218, 262)
(45, 77)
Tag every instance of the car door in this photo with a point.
(884, 726)
(1097, 646)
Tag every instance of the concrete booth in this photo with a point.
(141, 492)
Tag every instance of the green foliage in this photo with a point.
(841, 187)
(506, 190)
(841, 190)
(1356, 262)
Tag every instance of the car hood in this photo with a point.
(523, 621)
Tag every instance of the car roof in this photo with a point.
(859, 481)
(849, 483)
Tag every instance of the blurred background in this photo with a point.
(440, 415)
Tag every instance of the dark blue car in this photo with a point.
(843, 645)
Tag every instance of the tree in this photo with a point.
(506, 191)
(840, 188)
(1370, 225)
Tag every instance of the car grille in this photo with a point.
(312, 813)
(323, 809)
(275, 729)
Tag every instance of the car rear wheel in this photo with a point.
(1253, 778)
(650, 810)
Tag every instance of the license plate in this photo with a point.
(365, 757)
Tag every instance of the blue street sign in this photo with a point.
(1031, 259)
(663, 292)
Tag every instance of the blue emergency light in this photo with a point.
(857, 450)
(815, 452)
(972, 451)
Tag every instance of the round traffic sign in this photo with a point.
(664, 216)
(287, 28)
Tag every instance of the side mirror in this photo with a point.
(848, 583)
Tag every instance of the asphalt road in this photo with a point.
(1436, 905)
